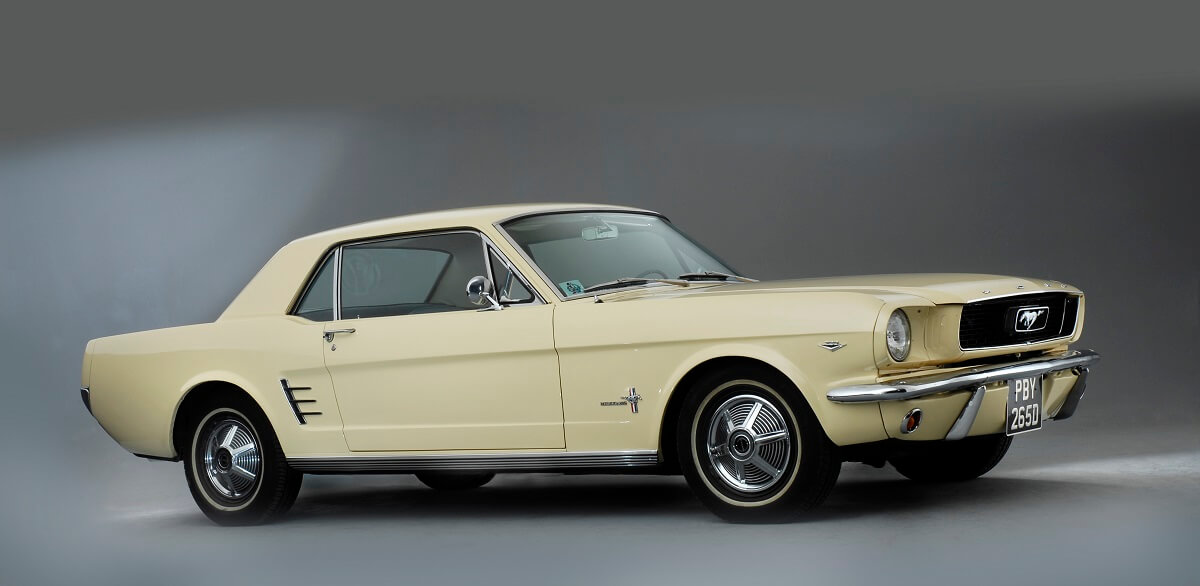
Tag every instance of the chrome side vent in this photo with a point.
(289, 393)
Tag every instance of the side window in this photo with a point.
(317, 302)
(421, 274)
(509, 288)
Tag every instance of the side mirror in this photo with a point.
(479, 292)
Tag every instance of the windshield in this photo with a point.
(579, 250)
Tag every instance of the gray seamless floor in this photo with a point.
(1074, 503)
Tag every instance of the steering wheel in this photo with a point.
(645, 274)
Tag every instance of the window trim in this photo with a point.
(336, 252)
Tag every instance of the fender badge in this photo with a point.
(832, 346)
(631, 399)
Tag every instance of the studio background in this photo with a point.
(143, 188)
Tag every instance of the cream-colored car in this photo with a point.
(583, 338)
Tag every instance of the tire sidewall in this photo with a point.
(201, 477)
(813, 466)
(698, 431)
(277, 484)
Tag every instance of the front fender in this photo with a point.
(825, 370)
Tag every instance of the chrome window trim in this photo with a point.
(514, 462)
(337, 283)
(546, 279)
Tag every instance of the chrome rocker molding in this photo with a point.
(975, 377)
(537, 462)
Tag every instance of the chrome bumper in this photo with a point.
(975, 380)
(932, 384)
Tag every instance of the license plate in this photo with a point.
(1024, 405)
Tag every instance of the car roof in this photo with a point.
(276, 285)
(460, 217)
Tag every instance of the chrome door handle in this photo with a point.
(328, 335)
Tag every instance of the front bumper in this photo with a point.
(975, 381)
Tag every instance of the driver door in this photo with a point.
(417, 367)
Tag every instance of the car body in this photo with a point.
(360, 350)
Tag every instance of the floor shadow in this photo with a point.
(619, 496)
(875, 493)
(901, 496)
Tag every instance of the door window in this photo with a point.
(404, 276)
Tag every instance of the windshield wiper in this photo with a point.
(626, 281)
(706, 275)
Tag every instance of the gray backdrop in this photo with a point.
(152, 162)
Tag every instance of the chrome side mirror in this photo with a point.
(479, 292)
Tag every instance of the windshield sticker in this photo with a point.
(572, 287)
(602, 232)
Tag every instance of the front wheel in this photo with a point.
(751, 448)
(236, 471)
(952, 461)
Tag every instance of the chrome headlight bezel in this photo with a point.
(898, 336)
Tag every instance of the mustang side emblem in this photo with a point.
(1032, 319)
(631, 399)
(832, 346)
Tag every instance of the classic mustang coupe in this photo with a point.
(583, 338)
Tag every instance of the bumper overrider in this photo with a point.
(975, 381)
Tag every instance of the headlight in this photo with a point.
(898, 339)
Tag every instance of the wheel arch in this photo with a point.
(197, 394)
(682, 386)
(843, 424)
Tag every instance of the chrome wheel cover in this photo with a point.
(232, 463)
(748, 443)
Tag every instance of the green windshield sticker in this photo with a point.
(572, 287)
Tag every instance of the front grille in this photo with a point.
(996, 322)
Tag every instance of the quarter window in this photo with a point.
(317, 302)
(509, 288)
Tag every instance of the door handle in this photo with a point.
(328, 334)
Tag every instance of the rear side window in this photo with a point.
(317, 302)
(421, 274)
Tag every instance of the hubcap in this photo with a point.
(748, 443)
(231, 459)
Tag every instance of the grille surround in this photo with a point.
(990, 323)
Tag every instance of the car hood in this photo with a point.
(939, 288)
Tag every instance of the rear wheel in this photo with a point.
(455, 480)
(952, 461)
(236, 471)
(751, 448)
